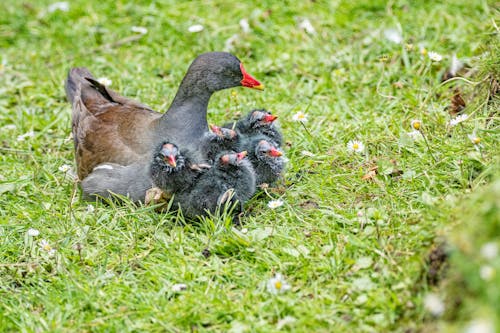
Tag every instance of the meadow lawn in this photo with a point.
(399, 232)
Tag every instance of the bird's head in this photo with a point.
(169, 156)
(224, 134)
(261, 118)
(266, 149)
(222, 70)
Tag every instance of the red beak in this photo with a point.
(216, 129)
(171, 161)
(249, 81)
(275, 152)
(241, 155)
(269, 118)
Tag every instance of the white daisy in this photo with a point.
(90, 209)
(33, 232)
(489, 250)
(458, 119)
(62, 6)
(481, 326)
(22, 137)
(434, 56)
(277, 284)
(104, 81)
(9, 127)
(65, 168)
(45, 246)
(229, 43)
(393, 35)
(244, 25)
(355, 146)
(300, 116)
(273, 204)
(306, 25)
(415, 135)
(456, 65)
(434, 305)
(196, 28)
(474, 138)
(179, 287)
(416, 124)
(140, 30)
(486, 272)
(307, 153)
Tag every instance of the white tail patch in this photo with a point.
(103, 166)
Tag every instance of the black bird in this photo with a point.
(220, 139)
(266, 158)
(108, 179)
(258, 122)
(231, 179)
(169, 170)
(109, 128)
(172, 170)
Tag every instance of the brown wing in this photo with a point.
(104, 130)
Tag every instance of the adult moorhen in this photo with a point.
(109, 128)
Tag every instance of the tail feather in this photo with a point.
(76, 76)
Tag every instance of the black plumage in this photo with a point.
(231, 179)
(172, 170)
(258, 122)
(266, 158)
(218, 140)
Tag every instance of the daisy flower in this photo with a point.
(307, 26)
(474, 138)
(65, 168)
(45, 246)
(486, 272)
(62, 6)
(300, 116)
(416, 124)
(434, 305)
(393, 35)
(459, 119)
(434, 56)
(489, 250)
(33, 232)
(139, 30)
(245, 26)
(277, 284)
(179, 287)
(415, 135)
(355, 146)
(480, 326)
(196, 28)
(104, 81)
(22, 137)
(273, 204)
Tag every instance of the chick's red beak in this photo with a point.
(241, 155)
(275, 152)
(216, 129)
(269, 118)
(171, 161)
(249, 81)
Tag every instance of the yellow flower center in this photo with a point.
(278, 285)
(301, 116)
(476, 140)
(355, 146)
(416, 125)
(47, 247)
(234, 93)
(423, 51)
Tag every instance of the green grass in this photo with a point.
(354, 251)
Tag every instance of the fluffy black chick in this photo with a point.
(266, 158)
(258, 122)
(231, 179)
(173, 170)
(218, 140)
